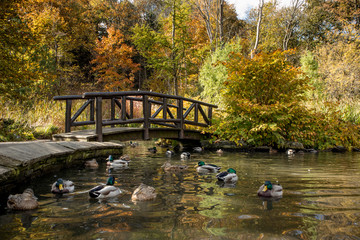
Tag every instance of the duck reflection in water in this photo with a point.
(27, 219)
(226, 185)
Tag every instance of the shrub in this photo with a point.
(264, 106)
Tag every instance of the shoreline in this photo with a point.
(23, 161)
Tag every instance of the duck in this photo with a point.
(91, 163)
(61, 186)
(169, 153)
(219, 151)
(201, 167)
(105, 191)
(122, 162)
(228, 177)
(23, 201)
(143, 193)
(272, 150)
(152, 150)
(197, 149)
(168, 167)
(270, 190)
(133, 144)
(290, 152)
(185, 155)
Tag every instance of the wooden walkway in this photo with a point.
(149, 110)
(21, 161)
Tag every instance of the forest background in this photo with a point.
(281, 74)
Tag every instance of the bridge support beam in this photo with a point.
(68, 116)
(181, 117)
(98, 121)
(147, 112)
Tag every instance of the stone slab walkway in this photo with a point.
(20, 161)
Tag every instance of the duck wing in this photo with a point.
(221, 176)
(69, 186)
(95, 192)
(213, 166)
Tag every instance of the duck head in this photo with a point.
(110, 158)
(60, 184)
(111, 180)
(231, 170)
(201, 163)
(268, 186)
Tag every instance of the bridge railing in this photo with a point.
(157, 108)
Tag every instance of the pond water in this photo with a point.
(321, 200)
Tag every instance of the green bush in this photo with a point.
(14, 131)
(264, 106)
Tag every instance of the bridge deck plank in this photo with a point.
(123, 134)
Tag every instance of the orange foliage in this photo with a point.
(114, 65)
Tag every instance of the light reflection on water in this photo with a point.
(321, 200)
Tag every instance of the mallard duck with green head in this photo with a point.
(62, 186)
(228, 177)
(270, 190)
(23, 201)
(152, 150)
(105, 191)
(201, 167)
(122, 162)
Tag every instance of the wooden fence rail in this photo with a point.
(122, 111)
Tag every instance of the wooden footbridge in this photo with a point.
(133, 115)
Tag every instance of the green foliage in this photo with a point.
(212, 75)
(264, 99)
(14, 131)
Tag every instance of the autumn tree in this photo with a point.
(16, 73)
(168, 50)
(64, 36)
(212, 75)
(262, 98)
(114, 66)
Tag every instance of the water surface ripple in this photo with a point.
(321, 200)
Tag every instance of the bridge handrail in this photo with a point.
(120, 98)
(141, 93)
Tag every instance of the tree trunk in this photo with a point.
(261, 6)
(173, 54)
(221, 22)
(296, 4)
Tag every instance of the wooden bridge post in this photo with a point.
(92, 110)
(181, 117)
(164, 107)
(147, 112)
(209, 114)
(112, 110)
(68, 115)
(196, 113)
(123, 108)
(98, 121)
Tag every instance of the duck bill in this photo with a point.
(61, 187)
(265, 189)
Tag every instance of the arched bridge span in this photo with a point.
(141, 115)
